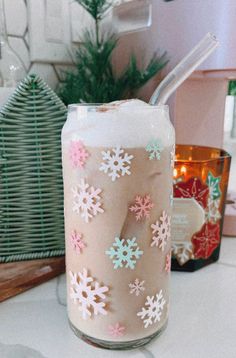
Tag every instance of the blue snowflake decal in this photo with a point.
(154, 148)
(124, 252)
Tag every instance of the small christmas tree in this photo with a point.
(94, 80)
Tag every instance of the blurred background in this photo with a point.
(46, 37)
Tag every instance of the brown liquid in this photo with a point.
(152, 177)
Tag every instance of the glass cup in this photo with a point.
(200, 185)
(118, 170)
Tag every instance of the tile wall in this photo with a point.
(42, 34)
(46, 33)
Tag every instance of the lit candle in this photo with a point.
(200, 184)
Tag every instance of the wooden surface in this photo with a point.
(17, 277)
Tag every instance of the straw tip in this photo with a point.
(213, 37)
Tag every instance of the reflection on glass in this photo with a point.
(132, 15)
(11, 67)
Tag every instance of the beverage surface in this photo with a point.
(127, 123)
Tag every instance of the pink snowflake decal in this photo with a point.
(117, 330)
(142, 207)
(77, 242)
(168, 262)
(78, 154)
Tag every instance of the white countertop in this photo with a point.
(202, 319)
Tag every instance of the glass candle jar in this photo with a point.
(200, 184)
(117, 166)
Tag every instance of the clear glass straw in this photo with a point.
(184, 69)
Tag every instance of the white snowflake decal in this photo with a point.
(152, 313)
(124, 252)
(154, 148)
(161, 231)
(212, 210)
(86, 201)
(88, 294)
(172, 157)
(171, 197)
(183, 252)
(116, 164)
(137, 287)
(142, 207)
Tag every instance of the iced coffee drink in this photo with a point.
(117, 168)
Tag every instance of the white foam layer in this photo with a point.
(129, 124)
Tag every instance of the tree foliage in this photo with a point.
(94, 79)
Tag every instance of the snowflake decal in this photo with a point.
(78, 154)
(154, 148)
(212, 211)
(86, 201)
(183, 252)
(88, 294)
(168, 263)
(124, 252)
(161, 231)
(152, 313)
(116, 330)
(193, 188)
(171, 198)
(137, 287)
(77, 242)
(116, 164)
(172, 157)
(142, 207)
(213, 184)
(206, 240)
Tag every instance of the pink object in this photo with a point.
(77, 242)
(117, 330)
(142, 207)
(229, 228)
(199, 108)
(168, 262)
(78, 154)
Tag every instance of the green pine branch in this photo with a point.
(232, 88)
(96, 8)
(94, 80)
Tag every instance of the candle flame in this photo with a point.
(175, 173)
(183, 169)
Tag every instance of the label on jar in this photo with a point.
(187, 218)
